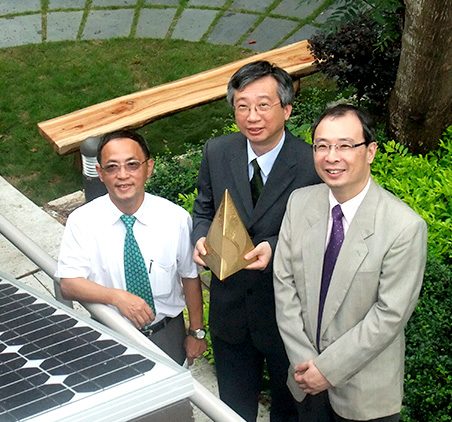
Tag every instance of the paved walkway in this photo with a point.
(259, 25)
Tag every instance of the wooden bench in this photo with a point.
(132, 111)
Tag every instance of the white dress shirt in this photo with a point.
(265, 161)
(349, 209)
(93, 248)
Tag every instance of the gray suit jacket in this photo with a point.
(245, 301)
(373, 291)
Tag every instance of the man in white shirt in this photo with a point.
(91, 261)
(347, 274)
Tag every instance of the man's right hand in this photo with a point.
(200, 251)
(134, 308)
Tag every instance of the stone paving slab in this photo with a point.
(62, 26)
(193, 23)
(67, 4)
(211, 3)
(20, 30)
(268, 33)
(154, 23)
(302, 34)
(114, 18)
(33, 222)
(8, 7)
(163, 2)
(106, 3)
(252, 5)
(326, 14)
(231, 27)
(102, 24)
(297, 8)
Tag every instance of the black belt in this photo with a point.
(154, 328)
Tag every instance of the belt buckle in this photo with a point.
(147, 332)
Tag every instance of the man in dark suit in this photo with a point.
(242, 311)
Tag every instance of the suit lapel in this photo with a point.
(313, 251)
(238, 166)
(353, 252)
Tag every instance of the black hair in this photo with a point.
(258, 70)
(341, 110)
(123, 133)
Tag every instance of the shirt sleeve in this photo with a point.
(74, 257)
(186, 267)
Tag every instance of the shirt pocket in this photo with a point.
(162, 277)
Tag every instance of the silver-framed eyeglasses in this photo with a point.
(260, 108)
(342, 147)
(131, 166)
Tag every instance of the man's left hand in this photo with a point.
(194, 347)
(309, 378)
(263, 253)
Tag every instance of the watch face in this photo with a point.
(199, 334)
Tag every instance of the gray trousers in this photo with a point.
(171, 339)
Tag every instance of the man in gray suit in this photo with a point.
(342, 318)
(242, 307)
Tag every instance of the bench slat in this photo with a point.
(67, 132)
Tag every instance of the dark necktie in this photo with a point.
(329, 261)
(256, 182)
(135, 270)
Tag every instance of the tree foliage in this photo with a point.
(353, 57)
(387, 14)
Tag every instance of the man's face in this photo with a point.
(345, 172)
(125, 187)
(263, 129)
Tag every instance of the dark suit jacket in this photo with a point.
(245, 300)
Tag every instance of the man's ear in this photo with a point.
(150, 164)
(287, 111)
(99, 172)
(371, 151)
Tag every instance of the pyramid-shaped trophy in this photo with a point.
(227, 241)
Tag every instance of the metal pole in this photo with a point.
(31, 250)
(211, 405)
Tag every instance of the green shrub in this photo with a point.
(425, 184)
(428, 374)
(175, 175)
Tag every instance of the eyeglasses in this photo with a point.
(343, 147)
(261, 108)
(131, 166)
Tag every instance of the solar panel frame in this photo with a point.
(35, 346)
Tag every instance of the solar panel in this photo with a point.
(57, 365)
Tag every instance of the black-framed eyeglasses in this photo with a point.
(131, 166)
(342, 147)
(260, 108)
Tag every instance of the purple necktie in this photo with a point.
(329, 261)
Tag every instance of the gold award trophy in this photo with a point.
(227, 241)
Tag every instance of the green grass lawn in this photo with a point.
(39, 82)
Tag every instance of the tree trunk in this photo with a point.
(421, 103)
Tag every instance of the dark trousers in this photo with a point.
(171, 339)
(239, 370)
(318, 409)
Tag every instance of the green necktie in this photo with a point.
(256, 182)
(136, 273)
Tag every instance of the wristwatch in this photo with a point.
(198, 333)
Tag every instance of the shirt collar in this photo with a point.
(266, 160)
(350, 207)
(113, 213)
